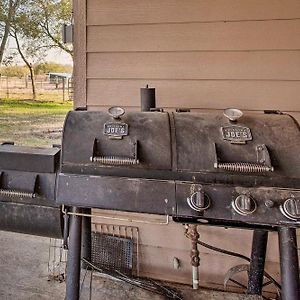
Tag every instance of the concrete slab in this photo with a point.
(23, 269)
(24, 275)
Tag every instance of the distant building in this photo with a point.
(59, 77)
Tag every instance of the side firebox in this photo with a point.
(27, 190)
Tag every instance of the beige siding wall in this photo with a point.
(198, 54)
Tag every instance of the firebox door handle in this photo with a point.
(16, 193)
(117, 160)
(263, 162)
(11, 193)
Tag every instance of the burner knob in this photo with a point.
(198, 201)
(244, 205)
(291, 209)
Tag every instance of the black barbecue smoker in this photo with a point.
(221, 169)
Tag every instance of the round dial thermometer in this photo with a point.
(116, 112)
(233, 114)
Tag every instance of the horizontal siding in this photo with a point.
(159, 244)
(217, 236)
(256, 35)
(210, 270)
(98, 107)
(270, 65)
(252, 95)
(102, 12)
(296, 115)
(80, 55)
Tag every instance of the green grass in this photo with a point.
(16, 106)
(46, 95)
(35, 123)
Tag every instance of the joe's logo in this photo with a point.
(236, 134)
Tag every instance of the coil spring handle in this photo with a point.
(118, 160)
(263, 163)
(17, 193)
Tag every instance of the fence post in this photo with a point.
(26, 81)
(7, 88)
(64, 85)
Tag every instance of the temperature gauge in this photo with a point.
(233, 114)
(116, 112)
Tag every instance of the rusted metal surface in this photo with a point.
(83, 138)
(27, 190)
(136, 195)
(268, 212)
(170, 153)
(29, 159)
(201, 168)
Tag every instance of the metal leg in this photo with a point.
(257, 263)
(74, 257)
(86, 237)
(289, 264)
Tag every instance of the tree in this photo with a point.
(47, 67)
(50, 16)
(8, 9)
(35, 26)
(30, 43)
(14, 71)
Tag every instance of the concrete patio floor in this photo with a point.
(24, 275)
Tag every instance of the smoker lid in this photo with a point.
(92, 139)
(254, 149)
(30, 159)
(266, 145)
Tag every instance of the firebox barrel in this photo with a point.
(27, 190)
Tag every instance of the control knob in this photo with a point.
(291, 209)
(198, 201)
(244, 205)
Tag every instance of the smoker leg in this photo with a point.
(257, 263)
(86, 237)
(74, 256)
(289, 264)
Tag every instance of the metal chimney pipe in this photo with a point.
(147, 98)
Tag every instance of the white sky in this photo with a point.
(54, 55)
(60, 57)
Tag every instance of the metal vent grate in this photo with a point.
(112, 253)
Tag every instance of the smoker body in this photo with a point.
(27, 190)
(196, 167)
(199, 168)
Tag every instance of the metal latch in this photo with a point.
(262, 165)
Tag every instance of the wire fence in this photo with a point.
(56, 89)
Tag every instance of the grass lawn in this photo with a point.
(34, 123)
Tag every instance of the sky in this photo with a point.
(54, 55)
(60, 57)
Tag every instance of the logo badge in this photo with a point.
(236, 134)
(115, 130)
